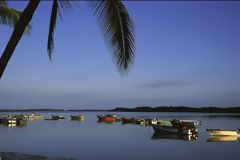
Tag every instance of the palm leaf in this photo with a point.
(10, 16)
(118, 30)
(52, 25)
(65, 4)
(55, 11)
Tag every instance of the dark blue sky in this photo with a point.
(187, 54)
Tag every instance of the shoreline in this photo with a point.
(177, 109)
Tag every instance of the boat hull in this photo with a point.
(217, 132)
(108, 118)
(183, 137)
(77, 118)
(172, 130)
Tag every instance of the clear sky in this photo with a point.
(187, 53)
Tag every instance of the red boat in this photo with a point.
(108, 118)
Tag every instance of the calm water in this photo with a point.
(89, 140)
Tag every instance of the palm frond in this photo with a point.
(52, 25)
(118, 30)
(65, 4)
(10, 16)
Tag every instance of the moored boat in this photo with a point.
(55, 117)
(14, 120)
(109, 118)
(185, 123)
(33, 116)
(187, 127)
(172, 130)
(221, 132)
(9, 120)
(77, 117)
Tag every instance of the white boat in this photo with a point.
(9, 120)
(33, 116)
(220, 132)
(154, 121)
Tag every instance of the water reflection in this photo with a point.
(106, 122)
(77, 120)
(12, 125)
(234, 138)
(157, 135)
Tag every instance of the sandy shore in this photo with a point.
(19, 156)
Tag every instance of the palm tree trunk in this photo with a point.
(18, 31)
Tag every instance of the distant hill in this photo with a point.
(179, 109)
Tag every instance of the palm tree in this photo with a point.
(10, 16)
(115, 22)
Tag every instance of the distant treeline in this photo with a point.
(180, 109)
(140, 109)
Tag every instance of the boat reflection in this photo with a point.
(105, 122)
(191, 137)
(12, 125)
(232, 138)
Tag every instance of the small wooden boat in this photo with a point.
(33, 116)
(14, 120)
(10, 119)
(109, 118)
(55, 117)
(220, 132)
(77, 117)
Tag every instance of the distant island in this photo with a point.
(139, 109)
(179, 109)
